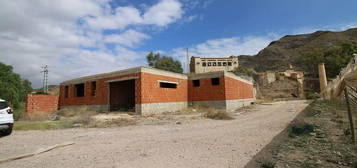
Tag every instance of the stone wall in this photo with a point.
(335, 87)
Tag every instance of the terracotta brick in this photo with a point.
(37, 104)
(147, 90)
(206, 91)
(236, 89)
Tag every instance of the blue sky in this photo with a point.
(83, 37)
(231, 18)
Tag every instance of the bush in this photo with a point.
(310, 95)
(217, 115)
(19, 112)
(302, 128)
(267, 164)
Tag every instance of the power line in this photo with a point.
(188, 61)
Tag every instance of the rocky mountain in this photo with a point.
(288, 50)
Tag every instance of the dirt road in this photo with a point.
(200, 143)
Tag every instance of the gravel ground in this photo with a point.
(199, 143)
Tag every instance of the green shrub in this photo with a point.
(267, 163)
(301, 128)
(19, 112)
(310, 95)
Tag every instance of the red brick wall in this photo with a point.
(236, 89)
(152, 93)
(228, 89)
(206, 91)
(102, 95)
(146, 83)
(40, 104)
(147, 90)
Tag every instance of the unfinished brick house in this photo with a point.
(149, 90)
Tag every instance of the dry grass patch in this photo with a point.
(39, 117)
(118, 122)
(42, 125)
(217, 114)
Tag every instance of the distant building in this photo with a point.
(203, 65)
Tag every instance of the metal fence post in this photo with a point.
(350, 116)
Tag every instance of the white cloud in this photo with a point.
(67, 35)
(191, 18)
(225, 47)
(129, 38)
(122, 17)
(163, 13)
(160, 14)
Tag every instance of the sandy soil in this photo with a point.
(198, 143)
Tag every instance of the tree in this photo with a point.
(152, 58)
(338, 57)
(164, 62)
(311, 60)
(335, 58)
(241, 70)
(12, 87)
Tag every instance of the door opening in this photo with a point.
(122, 96)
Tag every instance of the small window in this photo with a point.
(224, 63)
(3, 105)
(214, 64)
(204, 64)
(93, 88)
(229, 63)
(209, 64)
(66, 91)
(79, 90)
(168, 85)
(235, 62)
(219, 63)
(196, 83)
(215, 81)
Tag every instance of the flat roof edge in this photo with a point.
(156, 71)
(218, 74)
(102, 75)
(234, 76)
(124, 72)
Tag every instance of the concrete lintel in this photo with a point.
(167, 82)
(123, 79)
(216, 74)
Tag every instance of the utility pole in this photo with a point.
(45, 78)
(188, 61)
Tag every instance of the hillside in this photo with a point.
(52, 89)
(288, 50)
